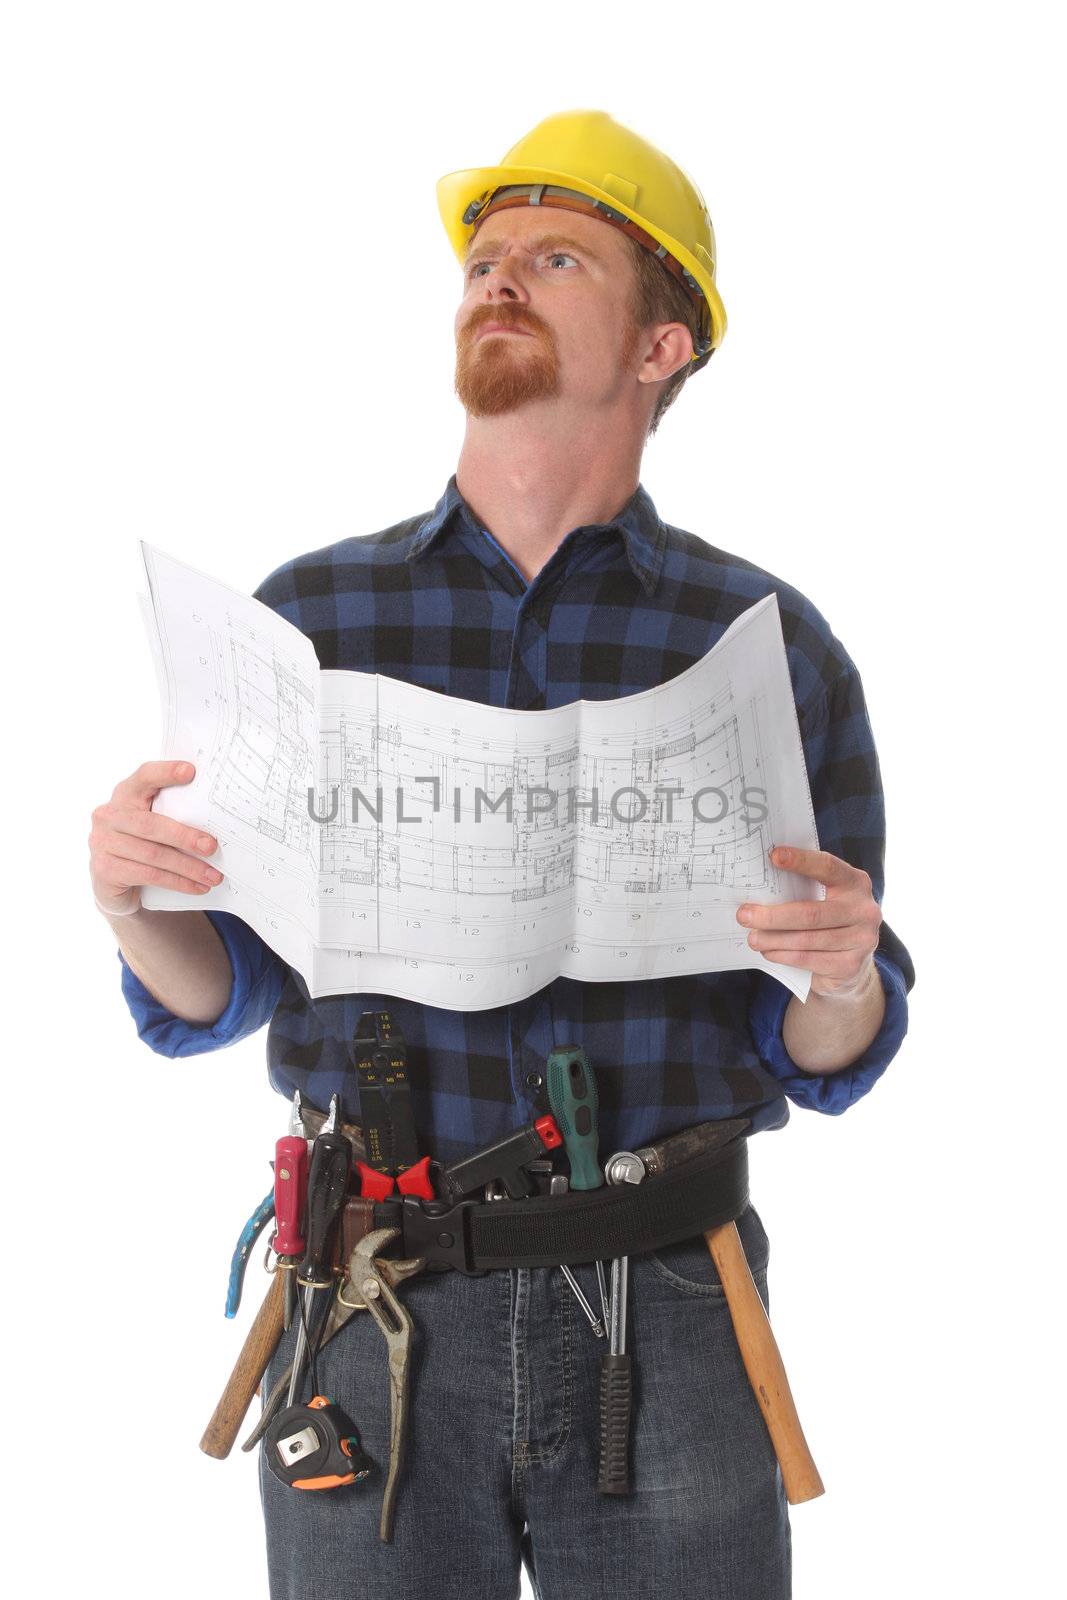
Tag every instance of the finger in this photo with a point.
(818, 864)
(821, 963)
(142, 855)
(123, 875)
(852, 937)
(797, 915)
(151, 776)
(115, 817)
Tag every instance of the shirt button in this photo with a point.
(534, 1080)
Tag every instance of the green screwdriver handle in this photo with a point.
(573, 1098)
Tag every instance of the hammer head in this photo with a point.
(698, 1141)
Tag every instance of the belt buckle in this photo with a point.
(440, 1232)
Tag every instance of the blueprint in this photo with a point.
(383, 837)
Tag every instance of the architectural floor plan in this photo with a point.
(384, 837)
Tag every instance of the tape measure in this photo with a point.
(315, 1446)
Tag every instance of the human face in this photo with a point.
(546, 312)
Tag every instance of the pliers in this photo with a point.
(249, 1234)
(377, 1185)
(371, 1286)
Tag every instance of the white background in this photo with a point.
(227, 328)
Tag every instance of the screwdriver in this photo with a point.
(331, 1162)
(290, 1188)
(616, 1369)
(572, 1094)
(573, 1098)
(559, 1184)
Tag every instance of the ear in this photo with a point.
(668, 346)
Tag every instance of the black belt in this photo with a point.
(595, 1225)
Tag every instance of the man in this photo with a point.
(545, 574)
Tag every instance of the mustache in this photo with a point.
(506, 318)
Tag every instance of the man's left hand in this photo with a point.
(834, 938)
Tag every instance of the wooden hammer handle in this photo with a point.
(763, 1363)
(260, 1345)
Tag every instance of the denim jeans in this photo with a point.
(502, 1447)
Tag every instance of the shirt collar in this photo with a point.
(644, 535)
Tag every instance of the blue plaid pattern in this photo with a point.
(619, 607)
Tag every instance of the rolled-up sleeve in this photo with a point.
(846, 792)
(258, 979)
(832, 1092)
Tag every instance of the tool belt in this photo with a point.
(502, 1206)
(688, 1184)
(474, 1237)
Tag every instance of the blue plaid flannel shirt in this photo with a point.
(619, 607)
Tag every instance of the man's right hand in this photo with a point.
(131, 845)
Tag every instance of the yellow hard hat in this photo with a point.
(587, 161)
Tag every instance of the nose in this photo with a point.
(501, 282)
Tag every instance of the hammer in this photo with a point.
(755, 1339)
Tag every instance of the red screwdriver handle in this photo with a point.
(290, 1193)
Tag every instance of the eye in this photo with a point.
(475, 269)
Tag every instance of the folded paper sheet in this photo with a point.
(385, 838)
